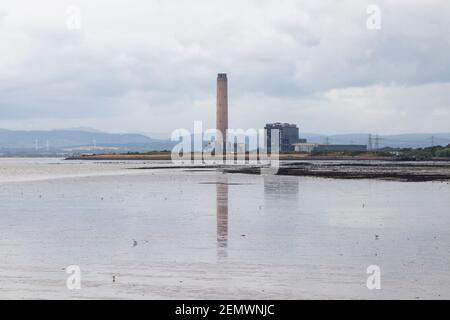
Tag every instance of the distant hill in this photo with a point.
(85, 129)
(76, 140)
(88, 140)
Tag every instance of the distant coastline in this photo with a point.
(365, 166)
(161, 155)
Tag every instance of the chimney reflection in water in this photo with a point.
(222, 213)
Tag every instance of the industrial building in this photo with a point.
(304, 147)
(340, 148)
(288, 134)
(314, 147)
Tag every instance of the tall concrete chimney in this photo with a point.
(222, 110)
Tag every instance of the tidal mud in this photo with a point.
(412, 172)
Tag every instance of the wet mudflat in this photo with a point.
(386, 170)
(176, 233)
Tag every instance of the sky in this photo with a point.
(150, 66)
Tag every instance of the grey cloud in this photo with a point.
(161, 58)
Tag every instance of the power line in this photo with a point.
(378, 139)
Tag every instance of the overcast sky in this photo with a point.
(151, 66)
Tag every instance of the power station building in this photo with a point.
(288, 135)
(318, 148)
(340, 148)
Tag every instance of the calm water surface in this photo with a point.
(181, 233)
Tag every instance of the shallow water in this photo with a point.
(180, 233)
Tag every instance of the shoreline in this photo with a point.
(351, 171)
(363, 167)
(407, 172)
(166, 156)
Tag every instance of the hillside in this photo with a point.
(76, 141)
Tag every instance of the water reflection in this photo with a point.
(280, 193)
(280, 187)
(222, 213)
(282, 209)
